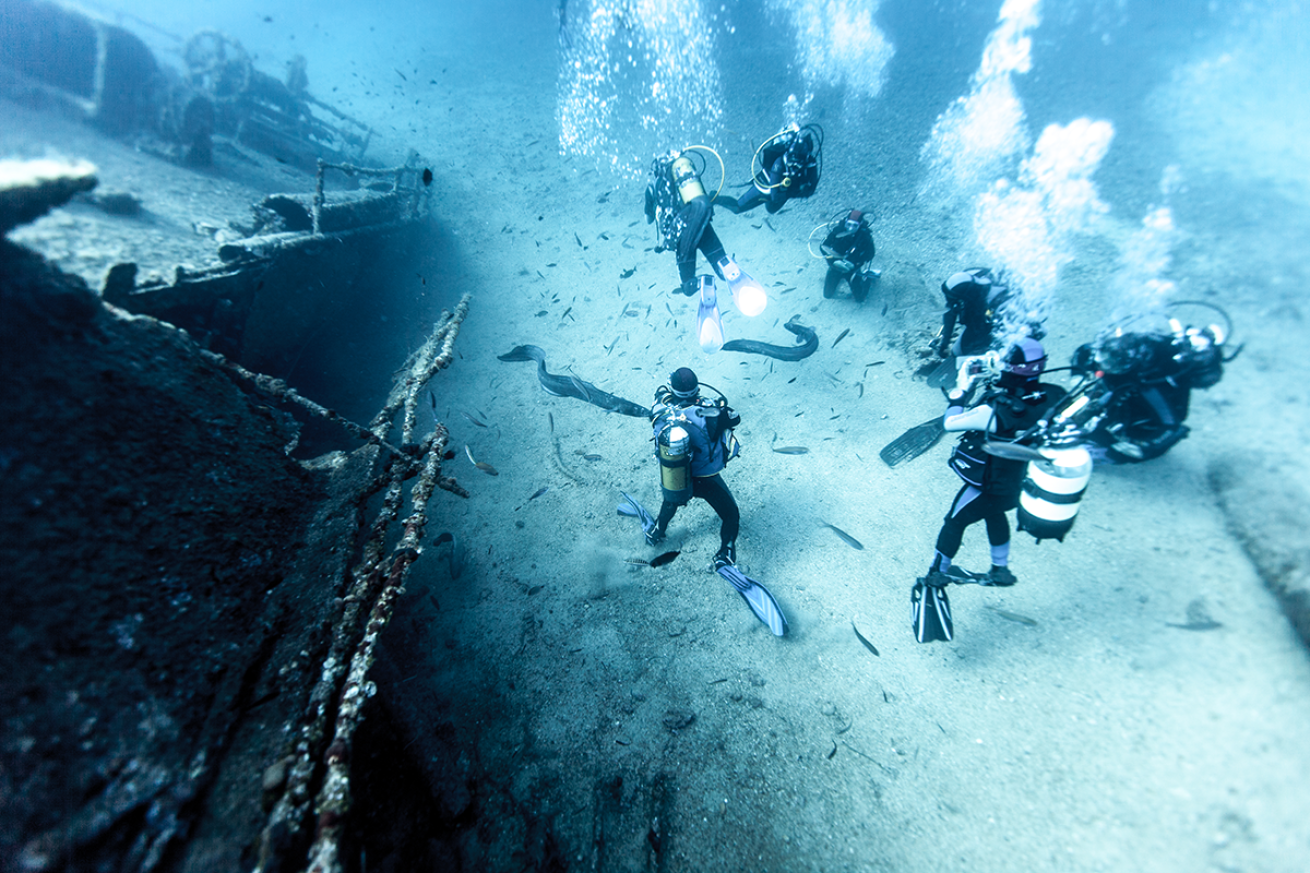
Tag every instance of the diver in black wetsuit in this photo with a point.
(791, 162)
(973, 297)
(1146, 384)
(703, 429)
(992, 484)
(849, 251)
(676, 202)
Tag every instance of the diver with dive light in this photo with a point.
(677, 204)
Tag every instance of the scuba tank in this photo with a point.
(686, 180)
(673, 448)
(1053, 488)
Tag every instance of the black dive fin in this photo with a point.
(913, 443)
(930, 611)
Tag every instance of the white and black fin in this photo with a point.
(633, 507)
(758, 598)
(931, 613)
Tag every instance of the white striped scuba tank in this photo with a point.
(1052, 490)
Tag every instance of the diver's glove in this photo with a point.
(1128, 449)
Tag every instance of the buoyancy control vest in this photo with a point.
(710, 442)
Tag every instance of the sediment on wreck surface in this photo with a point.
(158, 601)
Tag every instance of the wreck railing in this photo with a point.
(376, 583)
(396, 174)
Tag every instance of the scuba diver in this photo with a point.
(791, 162)
(973, 298)
(694, 442)
(849, 251)
(677, 204)
(1143, 383)
(1010, 403)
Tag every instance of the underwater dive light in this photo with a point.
(748, 294)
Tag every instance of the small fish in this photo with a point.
(551, 416)
(472, 418)
(868, 645)
(875, 363)
(845, 537)
(637, 561)
(543, 312)
(627, 274)
(1198, 618)
(581, 386)
(539, 492)
(791, 450)
(578, 240)
(841, 337)
(400, 74)
(427, 180)
(535, 589)
(486, 468)
(1014, 616)
(566, 314)
(591, 457)
(661, 560)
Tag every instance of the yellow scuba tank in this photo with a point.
(686, 180)
(1052, 490)
(673, 448)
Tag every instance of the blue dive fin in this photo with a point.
(634, 508)
(709, 328)
(758, 598)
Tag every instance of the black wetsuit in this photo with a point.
(971, 299)
(1016, 407)
(1148, 402)
(710, 453)
(847, 252)
(685, 227)
(789, 168)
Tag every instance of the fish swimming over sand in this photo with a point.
(809, 343)
(845, 537)
(572, 386)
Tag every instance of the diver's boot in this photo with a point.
(1000, 577)
(726, 556)
(690, 288)
(654, 536)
